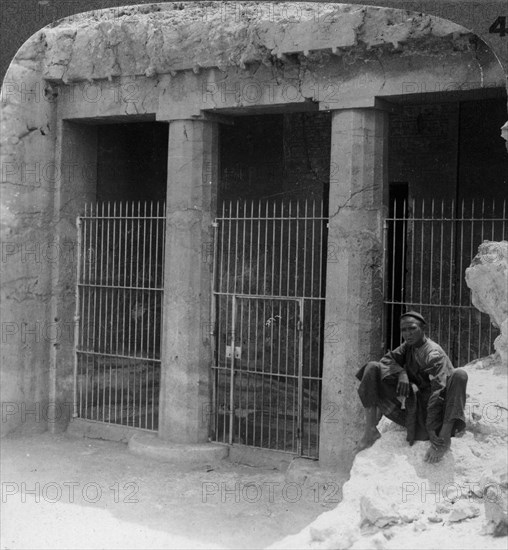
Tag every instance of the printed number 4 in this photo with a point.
(499, 26)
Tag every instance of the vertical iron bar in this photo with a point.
(263, 362)
(300, 379)
(453, 236)
(152, 313)
(413, 231)
(470, 256)
(272, 290)
(232, 373)
(394, 256)
(77, 319)
(256, 326)
(482, 227)
(441, 266)
(310, 322)
(213, 332)
(421, 250)
(431, 265)
(402, 298)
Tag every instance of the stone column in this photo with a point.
(186, 351)
(354, 289)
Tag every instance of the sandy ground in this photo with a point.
(60, 492)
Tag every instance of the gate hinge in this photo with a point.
(299, 325)
(215, 224)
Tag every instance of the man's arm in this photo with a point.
(395, 359)
(395, 363)
(398, 355)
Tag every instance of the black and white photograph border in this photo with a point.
(254, 274)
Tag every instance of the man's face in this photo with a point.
(411, 331)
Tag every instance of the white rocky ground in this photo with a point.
(394, 499)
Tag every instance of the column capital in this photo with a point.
(370, 102)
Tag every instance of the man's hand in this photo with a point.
(403, 385)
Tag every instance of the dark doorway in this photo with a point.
(132, 161)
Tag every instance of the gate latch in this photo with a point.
(238, 352)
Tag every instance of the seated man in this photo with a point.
(417, 387)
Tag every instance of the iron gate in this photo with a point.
(428, 246)
(119, 313)
(267, 313)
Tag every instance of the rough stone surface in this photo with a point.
(494, 487)
(462, 511)
(486, 406)
(487, 277)
(378, 511)
(171, 37)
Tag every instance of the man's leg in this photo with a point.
(453, 418)
(371, 433)
(371, 392)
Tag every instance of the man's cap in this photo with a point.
(414, 314)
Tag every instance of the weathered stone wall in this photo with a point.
(27, 220)
(191, 38)
(23, 20)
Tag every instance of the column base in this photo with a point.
(151, 446)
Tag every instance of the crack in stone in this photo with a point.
(353, 194)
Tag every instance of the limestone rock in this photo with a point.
(487, 277)
(419, 526)
(435, 519)
(443, 508)
(494, 485)
(377, 511)
(496, 511)
(463, 510)
(410, 514)
(487, 405)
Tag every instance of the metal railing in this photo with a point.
(428, 246)
(119, 297)
(267, 314)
